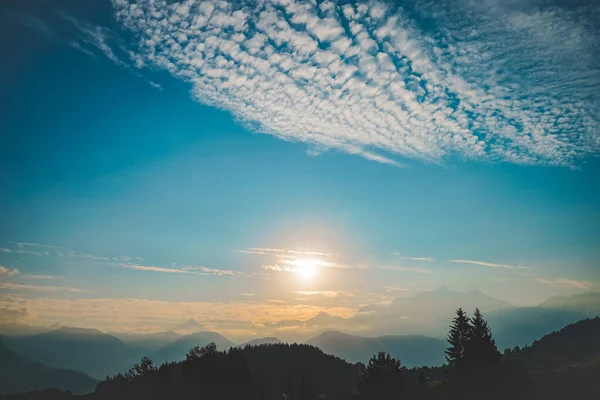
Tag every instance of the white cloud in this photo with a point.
(271, 251)
(566, 283)
(189, 270)
(19, 286)
(37, 276)
(5, 272)
(491, 265)
(417, 270)
(488, 84)
(427, 259)
(278, 268)
(325, 293)
(160, 269)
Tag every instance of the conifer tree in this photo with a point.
(480, 349)
(457, 338)
(384, 378)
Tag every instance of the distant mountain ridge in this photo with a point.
(585, 302)
(412, 350)
(87, 350)
(426, 313)
(189, 326)
(260, 342)
(176, 350)
(17, 374)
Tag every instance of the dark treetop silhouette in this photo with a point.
(562, 364)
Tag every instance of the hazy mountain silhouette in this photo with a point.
(260, 341)
(17, 374)
(189, 326)
(177, 350)
(20, 329)
(149, 343)
(586, 303)
(150, 338)
(429, 313)
(412, 350)
(89, 350)
(522, 325)
(560, 365)
(426, 313)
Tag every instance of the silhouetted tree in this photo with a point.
(480, 348)
(144, 368)
(384, 378)
(457, 338)
(198, 352)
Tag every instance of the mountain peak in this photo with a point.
(588, 302)
(70, 330)
(261, 341)
(189, 326)
(444, 289)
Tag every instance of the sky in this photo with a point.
(254, 165)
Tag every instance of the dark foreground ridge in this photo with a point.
(562, 365)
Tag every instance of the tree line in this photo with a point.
(475, 369)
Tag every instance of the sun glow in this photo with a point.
(307, 268)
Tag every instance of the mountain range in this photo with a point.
(17, 374)
(561, 364)
(98, 354)
(177, 350)
(89, 350)
(413, 350)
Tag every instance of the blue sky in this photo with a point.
(185, 157)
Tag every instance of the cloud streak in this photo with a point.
(278, 252)
(485, 84)
(6, 272)
(189, 270)
(426, 259)
(490, 265)
(416, 270)
(565, 283)
(19, 286)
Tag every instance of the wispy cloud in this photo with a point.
(566, 283)
(151, 268)
(427, 259)
(396, 289)
(220, 272)
(19, 286)
(270, 251)
(278, 268)
(38, 277)
(5, 272)
(488, 83)
(96, 37)
(189, 270)
(416, 270)
(58, 251)
(490, 265)
(156, 315)
(325, 293)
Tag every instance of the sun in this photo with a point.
(306, 267)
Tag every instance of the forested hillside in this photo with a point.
(561, 365)
(17, 374)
